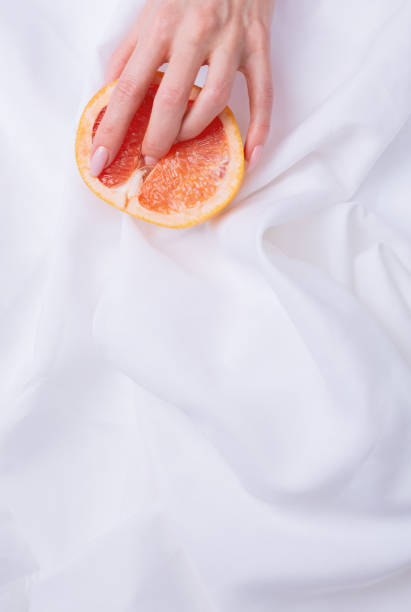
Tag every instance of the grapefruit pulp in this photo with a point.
(193, 182)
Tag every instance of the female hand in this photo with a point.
(228, 35)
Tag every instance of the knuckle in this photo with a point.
(218, 93)
(127, 87)
(119, 58)
(264, 126)
(259, 36)
(162, 26)
(205, 23)
(170, 96)
(153, 148)
(267, 94)
(107, 131)
(167, 7)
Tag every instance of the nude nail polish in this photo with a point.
(255, 157)
(98, 161)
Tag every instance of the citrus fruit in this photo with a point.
(194, 181)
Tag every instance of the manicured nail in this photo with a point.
(255, 156)
(98, 161)
(150, 161)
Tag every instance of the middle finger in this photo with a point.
(170, 103)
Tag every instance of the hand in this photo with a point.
(228, 35)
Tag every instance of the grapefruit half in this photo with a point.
(193, 182)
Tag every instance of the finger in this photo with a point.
(124, 50)
(120, 57)
(124, 101)
(170, 103)
(260, 91)
(213, 97)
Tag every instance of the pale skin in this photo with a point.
(226, 35)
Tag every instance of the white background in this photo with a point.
(218, 418)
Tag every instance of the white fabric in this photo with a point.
(216, 418)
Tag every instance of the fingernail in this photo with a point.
(98, 161)
(255, 157)
(150, 161)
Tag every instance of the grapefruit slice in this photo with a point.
(192, 183)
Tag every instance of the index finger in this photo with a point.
(124, 102)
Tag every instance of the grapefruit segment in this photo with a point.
(193, 182)
(189, 174)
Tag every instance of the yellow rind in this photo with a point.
(84, 127)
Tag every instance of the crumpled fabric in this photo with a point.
(217, 418)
